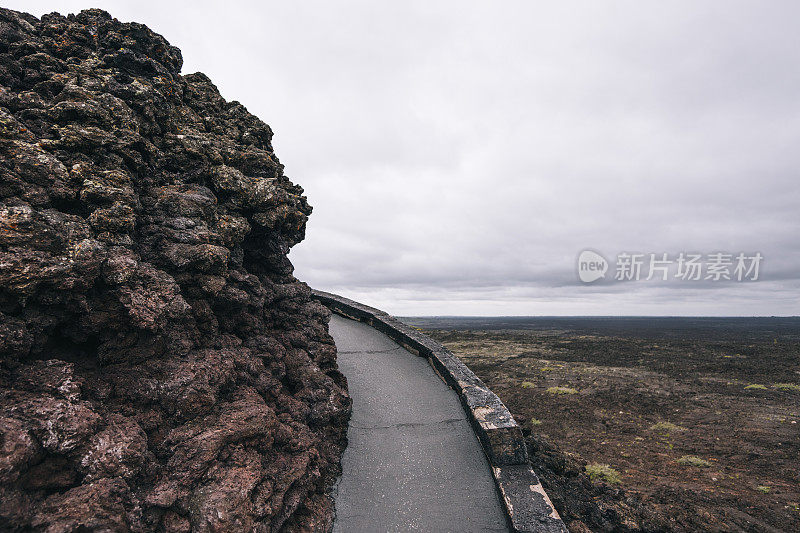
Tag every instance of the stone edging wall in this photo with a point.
(526, 504)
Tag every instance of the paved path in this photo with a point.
(412, 462)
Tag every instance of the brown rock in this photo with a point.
(161, 369)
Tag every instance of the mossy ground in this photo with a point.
(692, 460)
(602, 472)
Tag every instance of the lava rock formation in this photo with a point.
(160, 367)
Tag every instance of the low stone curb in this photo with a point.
(526, 504)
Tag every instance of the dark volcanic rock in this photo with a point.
(160, 367)
(586, 506)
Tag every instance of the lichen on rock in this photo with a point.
(161, 369)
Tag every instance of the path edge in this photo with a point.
(525, 502)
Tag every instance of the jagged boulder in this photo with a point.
(160, 366)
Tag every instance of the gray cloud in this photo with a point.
(460, 155)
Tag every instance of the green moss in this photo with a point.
(602, 472)
(547, 369)
(756, 386)
(536, 422)
(528, 385)
(562, 390)
(666, 427)
(764, 489)
(693, 460)
(787, 387)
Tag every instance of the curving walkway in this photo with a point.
(413, 463)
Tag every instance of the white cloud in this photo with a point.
(460, 154)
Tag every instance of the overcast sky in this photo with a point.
(459, 155)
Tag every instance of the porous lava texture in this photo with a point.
(160, 367)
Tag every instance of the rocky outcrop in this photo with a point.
(160, 367)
